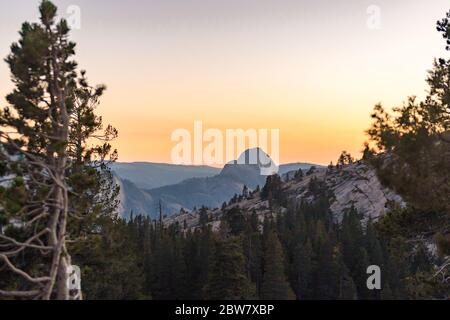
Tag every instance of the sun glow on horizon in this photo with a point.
(312, 69)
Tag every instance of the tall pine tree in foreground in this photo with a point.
(51, 180)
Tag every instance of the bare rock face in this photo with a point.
(359, 186)
(356, 184)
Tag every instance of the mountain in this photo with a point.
(148, 175)
(210, 191)
(133, 199)
(354, 185)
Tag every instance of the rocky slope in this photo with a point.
(355, 184)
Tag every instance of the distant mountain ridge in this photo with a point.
(148, 175)
(205, 189)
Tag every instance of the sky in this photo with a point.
(312, 69)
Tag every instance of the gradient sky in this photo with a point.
(312, 69)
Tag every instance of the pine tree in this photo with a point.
(347, 287)
(35, 130)
(203, 216)
(326, 276)
(354, 252)
(274, 283)
(302, 270)
(373, 245)
(245, 192)
(412, 150)
(272, 189)
(345, 159)
(65, 186)
(203, 251)
(311, 171)
(111, 264)
(236, 220)
(227, 280)
(253, 254)
(298, 174)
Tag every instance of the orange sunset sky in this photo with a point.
(313, 69)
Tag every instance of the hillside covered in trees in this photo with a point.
(272, 244)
